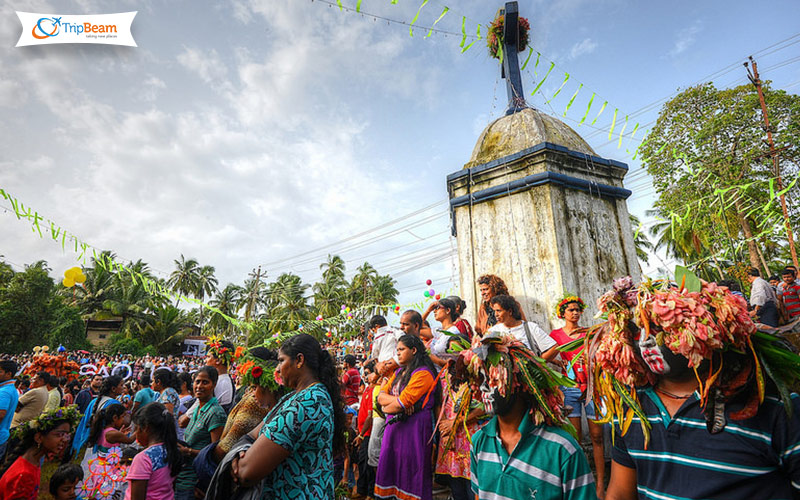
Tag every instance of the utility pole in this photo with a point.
(756, 81)
(251, 302)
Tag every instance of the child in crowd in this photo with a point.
(64, 481)
(153, 471)
(108, 430)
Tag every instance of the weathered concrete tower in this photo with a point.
(536, 206)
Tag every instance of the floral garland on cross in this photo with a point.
(494, 39)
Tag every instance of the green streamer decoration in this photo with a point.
(566, 77)
(572, 99)
(552, 64)
(463, 32)
(588, 107)
(525, 64)
(413, 21)
(358, 6)
(500, 52)
(603, 107)
(622, 132)
(473, 43)
(430, 31)
(613, 123)
(341, 7)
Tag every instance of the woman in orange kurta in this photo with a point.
(404, 468)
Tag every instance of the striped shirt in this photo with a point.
(753, 458)
(790, 294)
(547, 463)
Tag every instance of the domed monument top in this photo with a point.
(523, 129)
(535, 205)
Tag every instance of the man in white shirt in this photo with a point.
(762, 299)
(384, 345)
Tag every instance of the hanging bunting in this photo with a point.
(613, 123)
(525, 64)
(552, 64)
(622, 132)
(473, 43)
(430, 31)
(538, 55)
(413, 21)
(566, 77)
(572, 99)
(463, 32)
(605, 103)
(588, 107)
(341, 7)
(358, 6)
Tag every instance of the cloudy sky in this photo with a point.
(246, 133)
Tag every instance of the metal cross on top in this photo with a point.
(510, 69)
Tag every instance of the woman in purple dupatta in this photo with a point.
(404, 469)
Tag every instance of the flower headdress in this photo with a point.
(48, 421)
(566, 300)
(700, 321)
(226, 355)
(256, 371)
(500, 361)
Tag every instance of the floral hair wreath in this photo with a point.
(505, 364)
(561, 307)
(48, 421)
(225, 354)
(256, 371)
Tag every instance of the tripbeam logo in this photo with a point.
(45, 29)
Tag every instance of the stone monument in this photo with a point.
(536, 206)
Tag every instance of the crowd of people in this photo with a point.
(432, 407)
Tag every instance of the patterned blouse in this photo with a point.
(244, 417)
(302, 423)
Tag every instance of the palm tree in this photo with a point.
(640, 240)
(131, 302)
(333, 269)
(185, 279)
(228, 302)
(384, 292)
(289, 305)
(332, 290)
(206, 285)
(362, 283)
(98, 287)
(162, 330)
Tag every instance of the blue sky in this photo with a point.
(255, 132)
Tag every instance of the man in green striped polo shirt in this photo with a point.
(512, 456)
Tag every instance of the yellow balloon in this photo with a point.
(80, 278)
(68, 282)
(72, 272)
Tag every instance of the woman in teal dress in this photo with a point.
(294, 450)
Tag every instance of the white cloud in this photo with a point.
(585, 46)
(685, 38)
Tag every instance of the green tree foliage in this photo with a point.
(31, 313)
(711, 168)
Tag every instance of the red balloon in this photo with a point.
(429, 282)
(438, 296)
